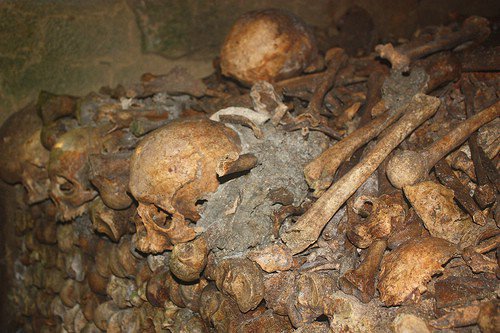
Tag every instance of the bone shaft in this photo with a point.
(441, 68)
(459, 134)
(488, 245)
(361, 282)
(460, 317)
(308, 228)
(320, 172)
(347, 146)
(469, 91)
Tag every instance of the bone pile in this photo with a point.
(294, 190)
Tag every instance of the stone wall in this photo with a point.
(76, 46)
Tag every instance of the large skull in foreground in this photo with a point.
(171, 170)
(24, 159)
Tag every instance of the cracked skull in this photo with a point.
(171, 170)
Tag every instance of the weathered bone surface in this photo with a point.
(189, 259)
(408, 167)
(69, 169)
(110, 175)
(243, 280)
(308, 228)
(474, 28)
(171, 170)
(441, 215)
(387, 211)
(112, 223)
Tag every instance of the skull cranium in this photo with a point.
(172, 169)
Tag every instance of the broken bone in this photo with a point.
(267, 101)
(255, 117)
(336, 58)
(448, 178)
(430, 74)
(388, 213)
(233, 163)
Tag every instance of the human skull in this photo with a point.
(70, 165)
(70, 188)
(24, 159)
(172, 169)
(267, 45)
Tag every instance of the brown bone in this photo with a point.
(320, 172)
(406, 271)
(361, 281)
(188, 260)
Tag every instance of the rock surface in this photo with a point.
(238, 215)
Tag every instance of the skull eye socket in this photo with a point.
(65, 186)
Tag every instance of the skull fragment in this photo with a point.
(171, 170)
(24, 159)
(70, 188)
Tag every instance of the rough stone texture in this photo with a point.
(76, 46)
(238, 215)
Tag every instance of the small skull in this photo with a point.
(172, 169)
(24, 159)
(70, 188)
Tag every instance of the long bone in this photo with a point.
(485, 192)
(408, 167)
(309, 226)
(336, 58)
(436, 70)
(320, 171)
